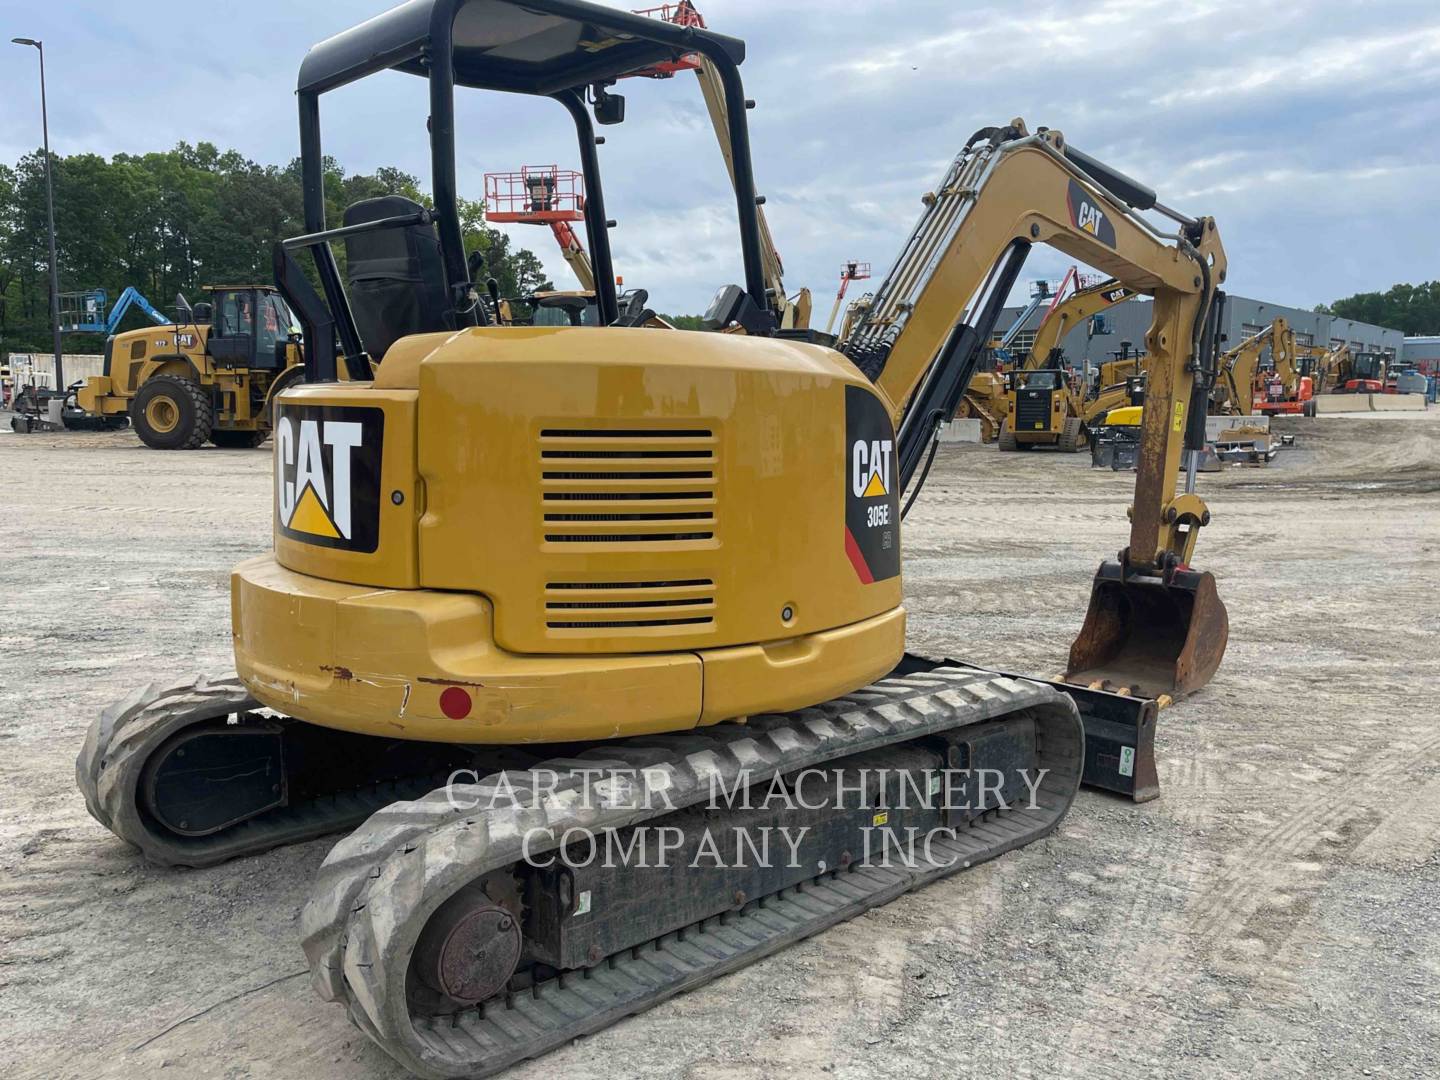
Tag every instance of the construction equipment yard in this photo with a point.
(1276, 912)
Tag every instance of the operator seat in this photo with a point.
(395, 278)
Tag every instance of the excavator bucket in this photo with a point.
(1148, 636)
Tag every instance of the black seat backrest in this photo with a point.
(633, 311)
(395, 277)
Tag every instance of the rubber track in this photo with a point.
(112, 760)
(381, 884)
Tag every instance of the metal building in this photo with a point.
(1424, 353)
(1102, 337)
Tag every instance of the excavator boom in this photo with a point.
(1154, 626)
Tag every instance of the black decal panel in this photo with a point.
(327, 475)
(872, 480)
(1087, 215)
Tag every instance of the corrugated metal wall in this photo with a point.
(1244, 316)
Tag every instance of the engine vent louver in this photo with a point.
(645, 486)
(624, 491)
(626, 605)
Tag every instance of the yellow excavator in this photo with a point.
(985, 396)
(1124, 364)
(1042, 406)
(1245, 387)
(1328, 368)
(541, 595)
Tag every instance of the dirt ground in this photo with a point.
(1275, 913)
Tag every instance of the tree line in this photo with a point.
(172, 222)
(1414, 309)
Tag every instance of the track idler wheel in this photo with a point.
(1150, 634)
(467, 953)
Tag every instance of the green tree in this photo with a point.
(685, 322)
(1415, 309)
(174, 221)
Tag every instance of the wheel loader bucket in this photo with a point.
(1148, 636)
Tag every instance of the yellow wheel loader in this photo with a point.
(1042, 407)
(543, 598)
(212, 376)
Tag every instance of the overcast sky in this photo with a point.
(1306, 128)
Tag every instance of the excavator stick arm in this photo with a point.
(1005, 191)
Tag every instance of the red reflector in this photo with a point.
(455, 703)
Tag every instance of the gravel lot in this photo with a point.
(1275, 913)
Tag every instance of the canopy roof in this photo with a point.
(524, 46)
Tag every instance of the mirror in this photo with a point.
(609, 108)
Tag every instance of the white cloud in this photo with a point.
(1305, 128)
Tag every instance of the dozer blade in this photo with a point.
(1119, 730)
(1149, 636)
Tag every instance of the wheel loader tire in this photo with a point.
(1072, 436)
(172, 414)
(238, 440)
(1006, 438)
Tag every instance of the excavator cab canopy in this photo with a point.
(413, 274)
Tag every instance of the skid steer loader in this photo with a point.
(537, 593)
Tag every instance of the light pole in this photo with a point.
(50, 218)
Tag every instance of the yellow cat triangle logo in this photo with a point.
(875, 487)
(310, 516)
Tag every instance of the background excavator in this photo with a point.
(606, 568)
(1327, 367)
(1044, 404)
(1364, 373)
(1121, 383)
(985, 396)
(1264, 375)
